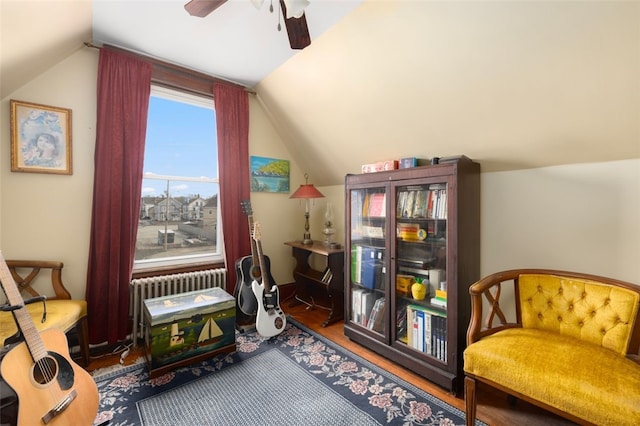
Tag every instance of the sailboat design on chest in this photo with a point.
(270, 320)
(210, 333)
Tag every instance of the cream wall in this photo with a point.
(583, 218)
(45, 216)
(580, 217)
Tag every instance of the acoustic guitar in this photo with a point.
(248, 269)
(270, 320)
(51, 388)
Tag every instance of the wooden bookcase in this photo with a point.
(405, 226)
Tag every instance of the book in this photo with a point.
(420, 204)
(442, 213)
(436, 301)
(356, 263)
(379, 270)
(412, 321)
(327, 279)
(402, 324)
(431, 204)
(371, 267)
(372, 231)
(325, 275)
(356, 304)
(366, 306)
(377, 204)
(428, 330)
(374, 314)
(408, 231)
(400, 203)
(408, 206)
(365, 205)
(376, 320)
(421, 319)
(356, 210)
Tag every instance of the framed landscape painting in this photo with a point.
(40, 138)
(269, 175)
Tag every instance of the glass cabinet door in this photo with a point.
(421, 268)
(366, 281)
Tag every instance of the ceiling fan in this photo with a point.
(295, 21)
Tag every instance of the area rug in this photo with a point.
(296, 378)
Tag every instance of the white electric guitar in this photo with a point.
(270, 320)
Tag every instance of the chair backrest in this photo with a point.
(26, 272)
(597, 312)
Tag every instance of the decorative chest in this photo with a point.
(185, 328)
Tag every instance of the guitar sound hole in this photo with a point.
(45, 370)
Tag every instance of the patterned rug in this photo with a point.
(296, 378)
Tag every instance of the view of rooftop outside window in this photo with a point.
(179, 219)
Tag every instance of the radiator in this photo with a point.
(164, 285)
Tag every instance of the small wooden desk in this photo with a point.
(308, 279)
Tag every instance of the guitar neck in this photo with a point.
(22, 317)
(254, 249)
(265, 279)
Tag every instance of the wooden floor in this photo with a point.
(493, 408)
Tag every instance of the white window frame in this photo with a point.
(186, 260)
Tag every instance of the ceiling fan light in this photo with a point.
(257, 3)
(295, 8)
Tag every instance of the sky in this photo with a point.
(181, 141)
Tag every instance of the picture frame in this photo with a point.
(40, 138)
(269, 175)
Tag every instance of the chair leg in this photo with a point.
(83, 340)
(470, 400)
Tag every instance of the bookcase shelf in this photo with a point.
(323, 289)
(424, 228)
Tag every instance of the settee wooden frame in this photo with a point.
(25, 273)
(490, 289)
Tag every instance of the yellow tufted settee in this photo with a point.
(571, 347)
(62, 312)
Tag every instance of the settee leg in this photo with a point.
(470, 400)
(83, 340)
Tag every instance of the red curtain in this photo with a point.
(124, 85)
(232, 118)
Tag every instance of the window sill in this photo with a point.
(176, 269)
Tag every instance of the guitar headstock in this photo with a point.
(256, 231)
(246, 207)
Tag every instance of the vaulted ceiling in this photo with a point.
(510, 84)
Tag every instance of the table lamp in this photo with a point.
(307, 192)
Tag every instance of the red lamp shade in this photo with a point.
(307, 191)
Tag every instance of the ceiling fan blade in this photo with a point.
(297, 29)
(202, 8)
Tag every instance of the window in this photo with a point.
(179, 215)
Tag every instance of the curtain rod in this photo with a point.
(164, 62)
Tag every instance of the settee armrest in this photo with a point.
(24, 273)
(490, 289)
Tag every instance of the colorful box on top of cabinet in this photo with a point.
(184, 328)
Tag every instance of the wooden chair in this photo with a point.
(62, 312)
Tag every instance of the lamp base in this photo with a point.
(306, 239)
